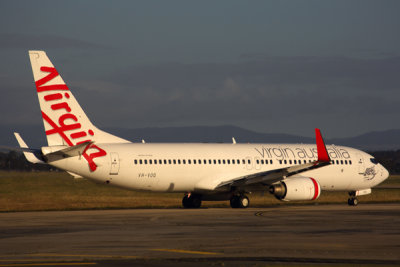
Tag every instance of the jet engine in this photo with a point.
(296, 188)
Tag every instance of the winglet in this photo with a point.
(321, 148)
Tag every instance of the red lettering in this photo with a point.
(91, 156)
(56, 129)
(63, 120)
(52, 74)
(53, 97)
(62, 105)
(78, 135)
(64, 127)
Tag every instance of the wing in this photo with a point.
(272, 176)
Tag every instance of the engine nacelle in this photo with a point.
(298, 188)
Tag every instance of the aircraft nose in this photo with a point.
(385, 173)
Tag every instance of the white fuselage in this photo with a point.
(194, 167)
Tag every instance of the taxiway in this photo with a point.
(368, 233)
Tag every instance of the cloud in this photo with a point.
(43, 41)
(287, 94)
(272, 90)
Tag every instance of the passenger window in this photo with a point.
(280, 161)
(169, 161)
(174, 161)
(223, 161)
(145, 161)
(341, 162)
(155, 161)
(258, 161)
(290, 161)
(270, 161)
(179, 161)
(215, 162)
(160, 161)
(238, 161)
(140, 161)
(189, 161)
(184, 161)
(194, 161)
(350, 162)
(285, 161)
(249, 161)
(135, 161)
(345, 162)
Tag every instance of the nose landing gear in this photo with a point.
(352, 201)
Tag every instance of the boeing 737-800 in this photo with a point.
(201, 171)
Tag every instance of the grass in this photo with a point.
(33, 191)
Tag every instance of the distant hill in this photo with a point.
(205, 134)
(373, 141)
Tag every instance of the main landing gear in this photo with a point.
(191, 201)
(239, 201)
(352, 201)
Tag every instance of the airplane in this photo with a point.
(201, 171)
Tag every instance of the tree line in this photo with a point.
(15, 161)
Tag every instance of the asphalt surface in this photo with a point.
(314, 234)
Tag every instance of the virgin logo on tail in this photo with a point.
(67, 122)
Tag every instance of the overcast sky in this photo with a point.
(268, 66)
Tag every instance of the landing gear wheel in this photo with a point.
(352, 201)
(244, 202)
(234, 202)
(241, 201)
(191, 201)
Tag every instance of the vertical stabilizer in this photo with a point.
(64, 120)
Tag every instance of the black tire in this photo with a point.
(239, 202)
(352, 201)
(196, 202)
(235, 202)
(186, 203)
(244, 202)
(191, 202)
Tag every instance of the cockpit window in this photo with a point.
(374, 161)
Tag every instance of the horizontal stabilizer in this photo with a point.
(71, 151)
(31, 155)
